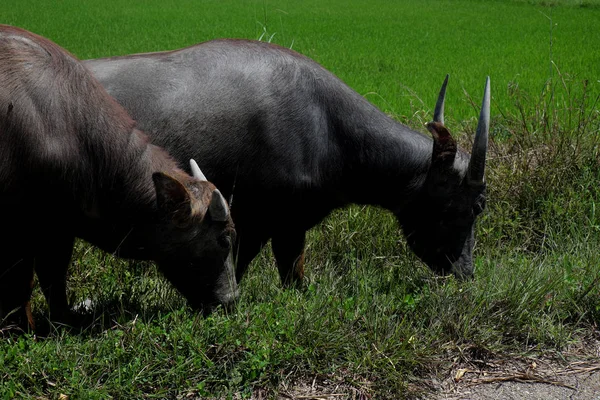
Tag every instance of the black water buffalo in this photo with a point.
(73, 164)
(293, 142)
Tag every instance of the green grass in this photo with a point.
(372, 318)
(396, 53)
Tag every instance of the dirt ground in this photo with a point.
(576, 381)
(571, 375)
(580, 381)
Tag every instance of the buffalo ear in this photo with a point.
(444, 145)
(173, 199)
(441, 180)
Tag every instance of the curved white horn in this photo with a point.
(438, 114)
(196, 172)
(218, 209)
(478, 153)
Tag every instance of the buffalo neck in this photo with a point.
(385, 163)
(120, 214)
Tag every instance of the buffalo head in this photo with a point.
(439, 225)
(196, 239)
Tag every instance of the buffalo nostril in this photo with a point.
(228, 301)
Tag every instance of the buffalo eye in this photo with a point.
(224, 241)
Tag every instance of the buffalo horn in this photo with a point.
(218, 209)
(196, 173)
(438, 114)
(477, 162)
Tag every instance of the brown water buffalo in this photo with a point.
(73, 164)
(294, 142)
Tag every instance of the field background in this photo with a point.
(372, 320)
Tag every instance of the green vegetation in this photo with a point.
(371, 318)
(395, 52)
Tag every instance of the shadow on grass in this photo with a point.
(91, 319)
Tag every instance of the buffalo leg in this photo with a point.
(16, 283)
(288, 249)
(51, 265)
(248, 246)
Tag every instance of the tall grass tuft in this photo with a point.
(544, 166)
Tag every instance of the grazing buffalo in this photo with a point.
(73, 164)
(293, 142)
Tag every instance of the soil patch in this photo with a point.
(571, 375)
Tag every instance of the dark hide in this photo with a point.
(293, 142)
(74, 165)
